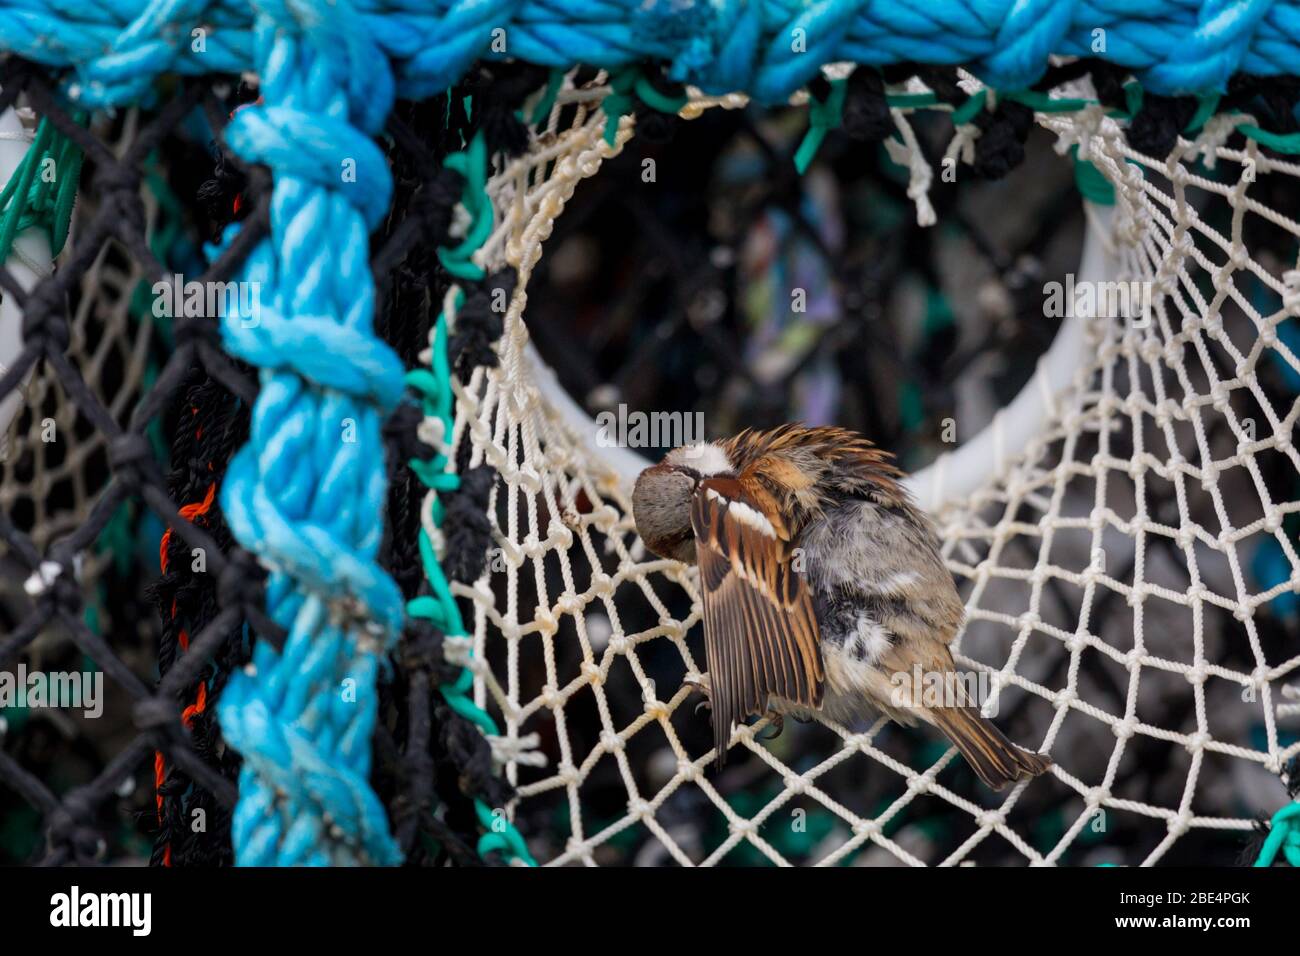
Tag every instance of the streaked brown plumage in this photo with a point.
(821, 582)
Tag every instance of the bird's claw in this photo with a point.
(777, 723)
(701, 686)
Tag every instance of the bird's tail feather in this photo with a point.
(996, 759)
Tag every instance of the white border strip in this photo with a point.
(955, 475)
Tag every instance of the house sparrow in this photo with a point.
(822, 584)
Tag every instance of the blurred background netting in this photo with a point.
(730, 285)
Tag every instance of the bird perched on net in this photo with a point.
(822, 585)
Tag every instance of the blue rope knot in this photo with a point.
(456, 33)
(328, 46)
(346, 359)
(1030, 32)
(1215, 50)
(307, 493)
(324, 150)
(769, 49)
(309, 552)
(712, 45)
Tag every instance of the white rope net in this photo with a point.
(1105, 569)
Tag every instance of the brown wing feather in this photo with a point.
(760, 632)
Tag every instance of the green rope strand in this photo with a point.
(626, 87)
(434, 385)
(471, 164)
(822, 117)
(544, 105)
(1283, 836)
(33, 197)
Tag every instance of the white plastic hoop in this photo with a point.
(953, 475)
(29, 261)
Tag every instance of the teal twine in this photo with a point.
(543, 108)
(626, 87)
(823, 116)
(434, 386)
(472, 165)
(621, 100)
(1283, 835)
(1092, 185)
(34, 198)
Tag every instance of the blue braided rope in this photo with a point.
(307, 493)
(769, 48)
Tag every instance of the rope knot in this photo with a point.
(401, 431)
(866, 111)
(433, 203)
(317, 148)
(72, 825)
(422, 649)
(1032, 31)
(45, 315)
(479, 323)
(467, 526)
(129, 456)
(1154, 129)
(1214, 50)
(155, 713)
(469, 750)
(718, 42)
(320, 349)
(1001, 144)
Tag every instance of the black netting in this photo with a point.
(85, 806)
(165, 636)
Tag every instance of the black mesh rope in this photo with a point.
(74, 819)
(209, 592)
(193, 829)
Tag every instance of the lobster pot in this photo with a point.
(333, 341)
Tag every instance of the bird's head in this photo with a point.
(661, 500)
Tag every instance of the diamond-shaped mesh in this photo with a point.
(1104, 569)
(94, 479)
